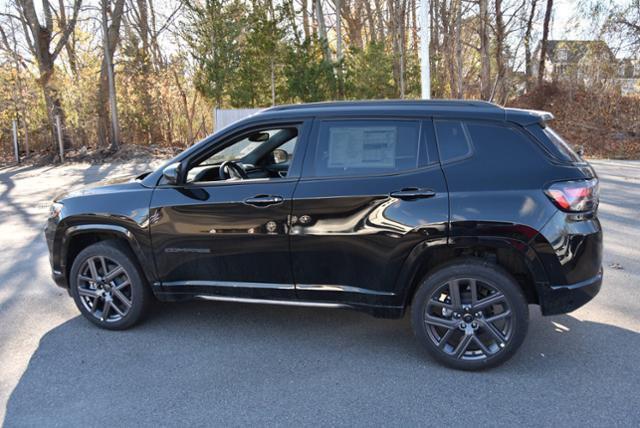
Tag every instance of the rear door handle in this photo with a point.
(264, 200)
(413, 193)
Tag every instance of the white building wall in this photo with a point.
(225, 117)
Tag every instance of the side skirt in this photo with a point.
(378, 311)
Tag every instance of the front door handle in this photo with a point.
(413, 193)
(264, 200)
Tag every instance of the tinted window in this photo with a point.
(453, 141)
(366, 147)
(558, 147)
(503, 147)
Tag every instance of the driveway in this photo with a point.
(210, 363)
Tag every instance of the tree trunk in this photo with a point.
(543, 43)
(527, 45)
(189, 113)
(39, 39)
(322, 30)
(373, 36)
(460, 93)
(111, 41)
(305, 19)
(397, 10)
(434, 48)
(485, 60)
(338, 30)
(500, 87)
(379, 14)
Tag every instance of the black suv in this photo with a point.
(464, 211)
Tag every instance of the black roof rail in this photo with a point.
(373, 103)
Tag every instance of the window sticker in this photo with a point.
(360, 147)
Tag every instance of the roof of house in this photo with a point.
(577, 49)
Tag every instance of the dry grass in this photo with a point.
(606, 124)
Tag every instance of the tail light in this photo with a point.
(574, 196)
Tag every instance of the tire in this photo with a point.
(469, 332)
(127, 293)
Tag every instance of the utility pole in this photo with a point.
(425, 73)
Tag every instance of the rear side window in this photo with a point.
(553, 142)
(504, 147)
(453, 139)
(365, 147)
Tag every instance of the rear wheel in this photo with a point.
(470, 315)
(108, 287)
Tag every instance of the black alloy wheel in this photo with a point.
(470, 315)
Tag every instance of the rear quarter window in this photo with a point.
(503, 157)
(554, 143)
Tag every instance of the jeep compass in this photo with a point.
(461, 213)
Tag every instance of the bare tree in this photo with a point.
(499, 87)
(459, 62)
(485, 60)
(40, 40)
(322, 29)
(527, 44)
(543, 43)
(110, 21)
(10, 45)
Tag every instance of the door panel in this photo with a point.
(208, 239)
(350, 235)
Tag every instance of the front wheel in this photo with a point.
(108, 287)
(470, 315)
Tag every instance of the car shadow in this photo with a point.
(213, 363)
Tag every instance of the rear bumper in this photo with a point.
(560, 299)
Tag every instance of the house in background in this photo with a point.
(590, 62)
(629, 76)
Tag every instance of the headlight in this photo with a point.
(55, 209)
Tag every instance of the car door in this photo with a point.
(371, 190)
(226, 238)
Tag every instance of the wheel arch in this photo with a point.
(78, 237)
(516, 257)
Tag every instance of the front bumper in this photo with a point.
(57, 274)
(560, 299)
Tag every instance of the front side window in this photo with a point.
(365, 147)
(265, 153)
(241, 148)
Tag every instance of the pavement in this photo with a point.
(214, 363)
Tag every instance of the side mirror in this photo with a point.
(279, 156)
(172, 173)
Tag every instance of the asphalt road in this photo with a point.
(207, 363)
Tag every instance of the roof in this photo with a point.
(473, 109)
(408, 108)
(578, 49)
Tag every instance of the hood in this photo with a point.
(109, 185)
